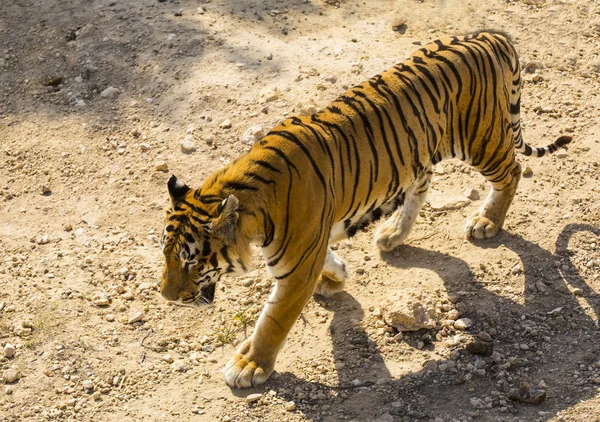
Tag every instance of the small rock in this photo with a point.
(253, 134)
(441, 201)
(161, 166)
(597, 380)
(472, 194)
(101, 299)
(386, 417)
(9, 350)
(168, 358)
(408, 314)
(88, 386)
(145, 147)
(110, 317)
(251, 398)
(484, 336)
(110, 92)
(527, 394)
(180, 366)
(46, 190)
(136, 317)
(562, 153)
(527, 171)
(187, 146)
(10, 375)
(481, 348)
(577, 291)
(463, 323)
(225, 124)
(516, 269)
(290, 406)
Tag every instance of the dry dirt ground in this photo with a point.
(83, 187)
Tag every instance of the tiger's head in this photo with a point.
(199, 243)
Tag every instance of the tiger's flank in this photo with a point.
(314, 180)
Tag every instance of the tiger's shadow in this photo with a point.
(563, 342)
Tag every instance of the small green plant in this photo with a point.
(225, 334)
(244, 319)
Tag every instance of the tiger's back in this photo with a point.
(316, 179)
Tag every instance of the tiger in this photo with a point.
(316, 179)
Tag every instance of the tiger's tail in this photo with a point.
(515, 112)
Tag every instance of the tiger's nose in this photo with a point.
(168, 292)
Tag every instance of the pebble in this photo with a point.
(110, 92)
(136, 317)
(46, 190)
(472, 194)
(187, 146)
(441, 201)
(527, 394)
(479, 347)
(527, 171)
(87, 385)
(253, 398)
(562, 153)
(9, 350)
(161, 166)
(290, 406)
(463, 323)
(144, 147)
(168, 358)
(253, 134)
(10, 376)
(225, 124)
(110, 317)
(180, 366)
(484, 336)
(101, 299)
(577, 291)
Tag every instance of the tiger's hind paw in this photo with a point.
(480, 227)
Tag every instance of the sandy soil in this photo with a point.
(83, 171)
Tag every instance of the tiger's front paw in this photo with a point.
(480, 227)
(245, 370)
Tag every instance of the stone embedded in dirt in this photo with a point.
(187, 146)
(168, 358)
(527, 171)
(479, 347)
(463, 323)
(562, 153)
(472, 194)
(408, 314)
(225, 124)
(110, 92)
(46, 190)
(290, 406)
(145, 147)
(109, 317)
(101, 299)
(527, 394)
(253, 134)
(136, 316)
(251, 398)
(9, 350)
(161, 166)
(484, 336)
(10, 375)
(88, 386)
(443, 201)
(180, 366)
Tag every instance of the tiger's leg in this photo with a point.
(333, 277)
(255, 357)
(394, 231)
(486, 222)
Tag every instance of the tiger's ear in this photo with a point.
(177, 190)
(225, 224)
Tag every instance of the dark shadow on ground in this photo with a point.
(561, 344)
